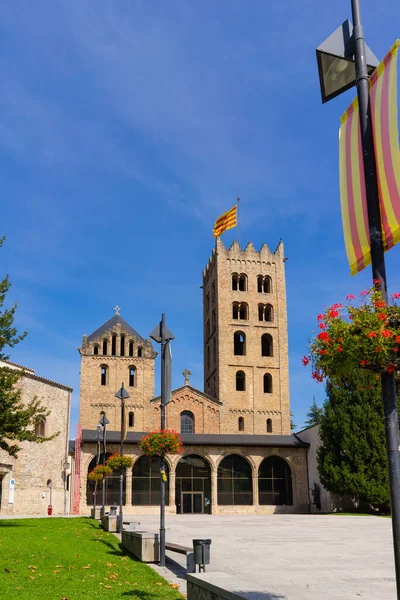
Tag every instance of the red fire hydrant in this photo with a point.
(49, 510)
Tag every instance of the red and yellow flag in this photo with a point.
(383, 102)
(225, 221)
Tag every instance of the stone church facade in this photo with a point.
(239, 455)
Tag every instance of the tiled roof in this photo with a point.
(8, 362)
(110, 324)
(206, 439)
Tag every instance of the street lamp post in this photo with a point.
(355, 49)
(65, 467)
(123, 395)
(97, 462)
(163, 336)
(103, 422)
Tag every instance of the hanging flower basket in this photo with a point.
(160, 443)
(99, 472)
(358, 335)
(119, 462)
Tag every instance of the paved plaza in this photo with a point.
(291, 557)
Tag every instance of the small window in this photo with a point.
(40, 427)
(267, 383)
(243, 311)
(105, 347)
(240, 381)
(235, 310)
(266, 345)
(242, 282)
(131, 419)
(269, 313)
(241, 424)
(122, 346)
(235, 282)
(114, 345)
(130, 348)
(267, 285)
(187, 422)
(239, 344)
(140, 352)
(95, 349)
(103, 374)
(264, 284)
(132, 376)
(269, 425)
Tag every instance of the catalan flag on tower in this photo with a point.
(225, 221)
(383, 103)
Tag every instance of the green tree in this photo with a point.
(17, 421)
(352, 454)
(293, 425)
(314, 414)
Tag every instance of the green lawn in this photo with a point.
(71, 559)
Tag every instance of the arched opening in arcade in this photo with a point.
(111, 486)
(146, 482)
(234, 481)
(193, 485)
(275, 482)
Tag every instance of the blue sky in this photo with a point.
(126, 128)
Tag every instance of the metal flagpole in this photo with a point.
(238, 220)
(162, 465)
(121, 475)
(378, 273)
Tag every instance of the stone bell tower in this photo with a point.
(113, 354)
(245, 338)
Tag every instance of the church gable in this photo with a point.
(190, 405)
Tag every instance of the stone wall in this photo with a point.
(38, 462)
(220, 362)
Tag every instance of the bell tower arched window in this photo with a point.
(239, 343)
(130, 348)
(103, 375)
(241, 424)
(140, 352)
(269, 425)
(96, 349)
(265, 312)
(267, 383)
(266, 345)
(264, 284)
(131, 419)
(105, 347)
(113, 345)
(132, 376)
(240, 381)
(122, 346)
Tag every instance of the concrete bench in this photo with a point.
(131, 525)
(142, 544)
(187, 551)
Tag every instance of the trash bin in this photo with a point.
(201, 552)
(113, 511)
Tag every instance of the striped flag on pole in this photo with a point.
(383, 102)
(225, 221)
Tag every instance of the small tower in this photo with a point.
(245, 338)
(113, 354)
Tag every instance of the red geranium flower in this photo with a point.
(363, 362)
(380, 304)
(340, 349)
(391, 369)
(305, 361)
(323, 351)
(386, 333)
(382, 316)
(321, 317)
(364, 293)
(377, 281)
(323, 336)
(350, 297)
(396, 295)
(334, 313)
(322, 325)
(372, 334)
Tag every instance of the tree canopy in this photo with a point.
(352, 453)
(17, 420)
(314, 414)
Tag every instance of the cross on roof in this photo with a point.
(117, 309)
(186, 373)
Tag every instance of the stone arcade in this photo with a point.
(239, 455)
